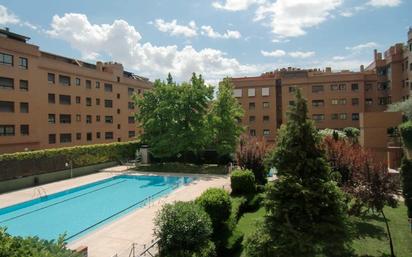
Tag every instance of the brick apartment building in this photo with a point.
(49, 101)
(335, 99)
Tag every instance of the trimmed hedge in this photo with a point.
(183, 168)
(406, 133)
(242, 182)
(24, 164)
(217, 203)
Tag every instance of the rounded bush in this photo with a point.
(216, 202)
(242, 182)
(406, 133)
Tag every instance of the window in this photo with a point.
(78, 117)
(130, 105)
(108, 87)
(108, 135)
(251, 106)
(6, 59)
(52, 118)
(89, 136)
(251, 92)
(24, 130)
(65, 138)
(355, 101)
(131, 120)
(78, 136)
(292, 89)
(97, 118)
(340, 101)
(130, 91)
(318, 117)
(355, 116)
(97, 101)
(52, 138)
(118, 96)
(265, 118)
(384, 86)
(51, 78)
(64, 80)
(237, 92)
(23, 63)
(78, 99)
(266, 105)
(6, 83)
(24, 85)
(265, 91)
(52, 98)
(78, 81)
(6, 106)
(24, 107)
(65, 118)
(108, 119)
(252, 132)
(98, 135)
(88, 101)
(89, 119)
(384, 100)
(343, 116)
(338, 87)
(97, 84)
(266, 132)
(252, 118)
(7, 130)
(132, 133)
(118, 79)
(108, 103)
(118, 111)
(334, 116)
(64, 99)
(368, 101)
(118, 126)
(318, 103)
(355, 87)
(88, 84)
(368, 87)
(317, 88)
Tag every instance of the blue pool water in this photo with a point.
(79, 210)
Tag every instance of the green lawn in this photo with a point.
(370, 232)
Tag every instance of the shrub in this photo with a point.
(406, 179)
(337, 134)
(233, 244)
(406, 133)
(216, 202)
(184, 229)
(242, 182)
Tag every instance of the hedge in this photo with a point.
(217, 203)
(24, 164)
(242, 182)
(406, 133)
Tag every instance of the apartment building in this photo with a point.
(49, 101)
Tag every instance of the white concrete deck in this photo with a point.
(135, 227)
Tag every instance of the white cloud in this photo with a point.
(235, 5)
(7, 17)
(346, 13)
(382, 3)
(175, 29)
(275, 53)
(338, 58)
(210, 32)
(299, 54)
(361, 47)
(122, 43)
(290, 18)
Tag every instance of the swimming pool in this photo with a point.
(80, 210)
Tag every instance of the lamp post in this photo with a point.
(67, 164)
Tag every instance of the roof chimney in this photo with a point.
(328, 69)
(362, 68)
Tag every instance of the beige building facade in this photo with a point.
(49, 101)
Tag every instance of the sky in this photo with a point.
(216, 38)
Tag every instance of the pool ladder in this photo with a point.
(40, 192)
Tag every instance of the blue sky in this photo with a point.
(216, 38)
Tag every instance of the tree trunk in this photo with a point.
(389, 233)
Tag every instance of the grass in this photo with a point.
(370, 238)
(183, 168)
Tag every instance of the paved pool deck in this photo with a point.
(134, 228)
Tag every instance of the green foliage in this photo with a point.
(216, 202)
(32, 247)
(242, 182)
(352, 134)
(333, 133)
(406, 181)
(406, 133)
(184, 229)
(183, 168)
(306, 213)
(224, 119)
(259, 244)
(405, 107)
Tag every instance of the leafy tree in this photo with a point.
(169, 79)
(352, 134)
(251, 155)
(306, 213)
(406, 179)
(405, 107)
(184, 230)
(224, 119)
